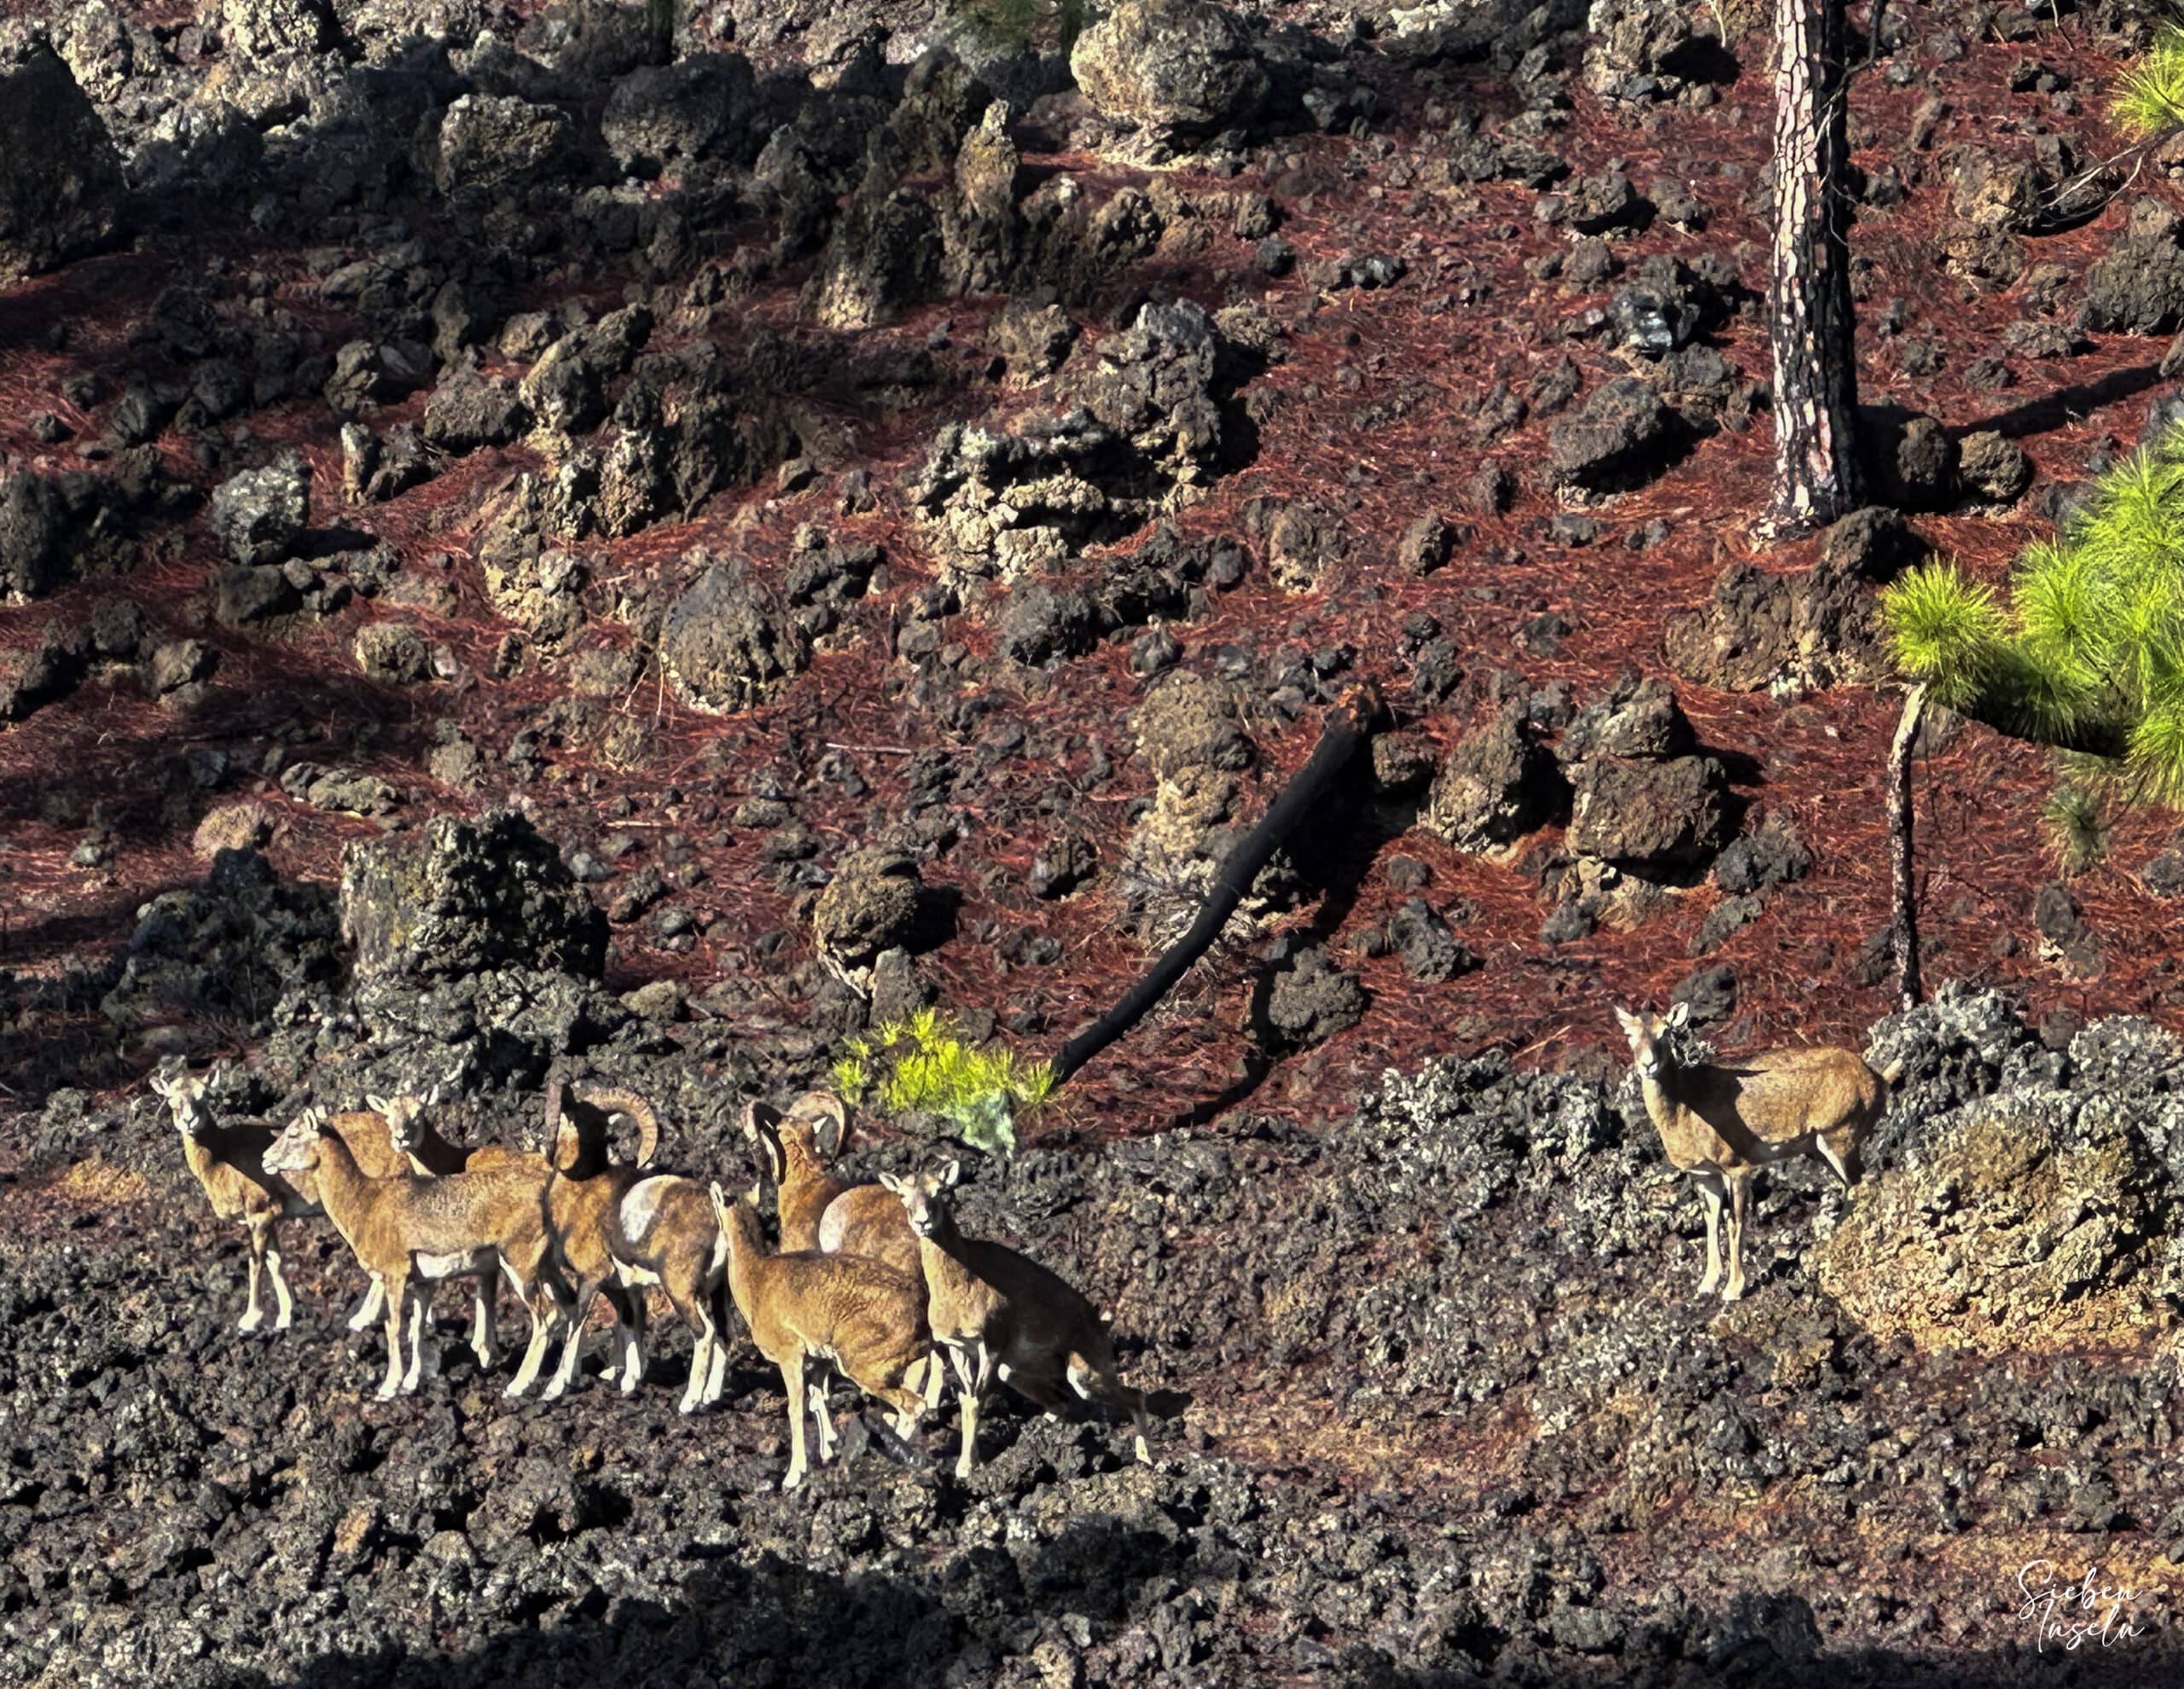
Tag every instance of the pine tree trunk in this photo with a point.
(1810, 323)
(1905, 923)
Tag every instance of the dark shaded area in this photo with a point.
(779, 1622)
(2068, 405)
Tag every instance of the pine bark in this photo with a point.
(1905, 908)
(1810, 322)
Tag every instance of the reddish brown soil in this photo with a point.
(1984, 852)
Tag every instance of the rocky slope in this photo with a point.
(1437, 1403)
(525, 540)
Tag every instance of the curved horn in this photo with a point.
(557, 1127)
(614, 1100)
(766, 1134)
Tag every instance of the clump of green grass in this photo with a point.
(924, 1066)
(2077, 827)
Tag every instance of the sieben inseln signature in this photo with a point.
(2068, 1616)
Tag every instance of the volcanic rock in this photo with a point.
(728, 640)
(870, 905)
(1497, 784)
(1172, 71)
(468, 895)
(61, 187)
(259, 514)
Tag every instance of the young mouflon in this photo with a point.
(818, 1211)
(1722, 1121)
(807, 1311)
(230, 1164)
(1000, 1315)
(391, 1136)
(408, 1232)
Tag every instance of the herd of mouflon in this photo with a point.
(873, 1281)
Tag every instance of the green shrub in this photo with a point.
(2077, 827)
(2151, 97)
(922, 1065)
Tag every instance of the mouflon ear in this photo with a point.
(1677, 1017)
(379, 1105)
(951, 1173)
(829, 1120)
(1632, 1025)
(770, 1140)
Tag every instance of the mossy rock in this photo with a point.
(2023, 1226)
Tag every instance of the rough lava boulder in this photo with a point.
(1174, 71)
(728, 640)
(61, 187)
(2040, 1220)
(468, 896)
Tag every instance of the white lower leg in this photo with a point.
(418, 1323)
(1713, 1274)
(287, 1314)
(967, 1394)
(701, 1359)
(534, 1354)
(716, 1374)
(393, 1380)
(483, 1340)
(821, 1420)
(793, 1377)
(565, 1374)
(254, 1316)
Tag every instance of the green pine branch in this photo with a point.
(2151, 97)
(2087, 653)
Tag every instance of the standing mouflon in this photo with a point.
(1720, 1121)
(999, 1313)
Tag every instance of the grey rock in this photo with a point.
(1497, 784)
(259, 514)
(1305, 1002)
(728, 640)
(466, 896)
(870, 905)
(1660, 815)
(491, 144)
(1172, 71)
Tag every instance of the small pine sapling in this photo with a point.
(924, 1066)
